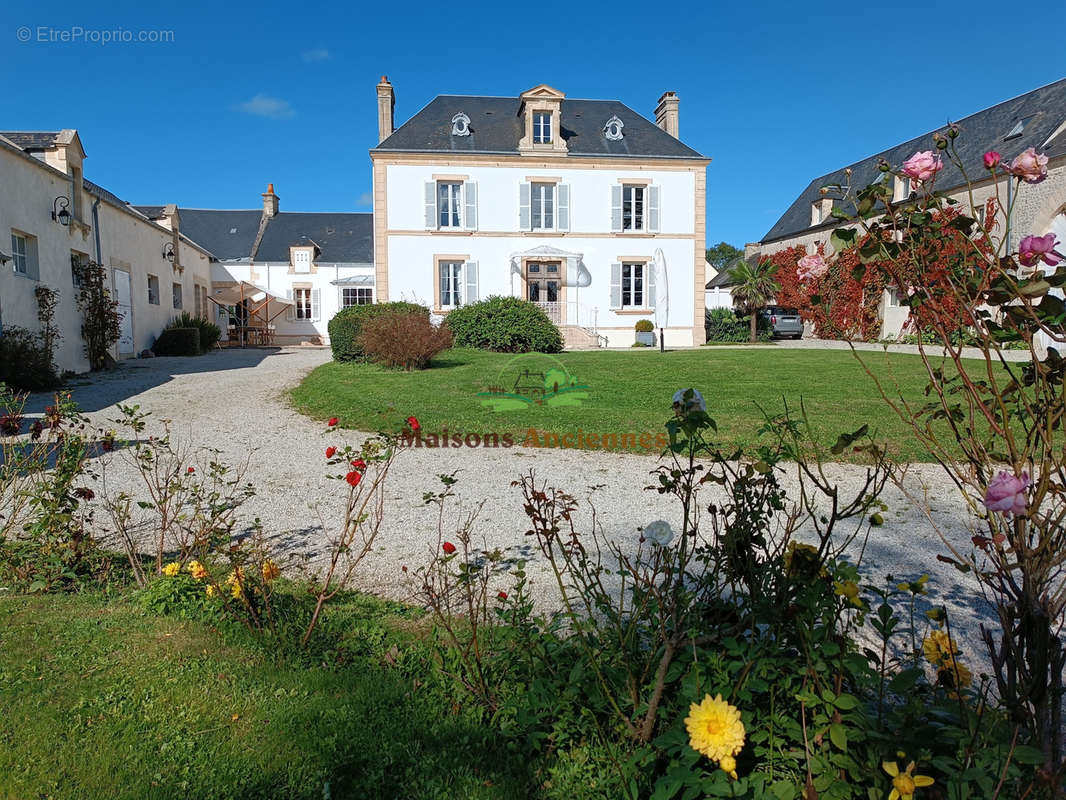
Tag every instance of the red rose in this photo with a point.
(448, 548)
(414, 423)
(502, 595)
(353, 478)
(359, 464)
(332, 421)
(331, 451)
(190, 470)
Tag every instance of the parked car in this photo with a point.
(785, 322)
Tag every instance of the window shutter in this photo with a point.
(316, 305)
(616, 208)
(470, 205)
(525, 219)
(562, 210)
(653, 209)
(616, 285)
(290, 311)
(649, 285)
(431, 204)
(470, 276)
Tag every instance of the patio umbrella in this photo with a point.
(662, 295)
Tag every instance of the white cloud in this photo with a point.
(264, 106)
(316, 54)
(366, 198)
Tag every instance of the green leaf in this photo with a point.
(846, 439)
(1025, 754)
(846, 702)
(838, 735)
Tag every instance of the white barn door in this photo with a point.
(124, 298)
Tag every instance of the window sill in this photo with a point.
(452, 231)
(26, 276)
(629, 310)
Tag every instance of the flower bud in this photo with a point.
(883, 165)
(992, 159)
(953, 130)
(941, 142)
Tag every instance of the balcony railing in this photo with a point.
(571, 313)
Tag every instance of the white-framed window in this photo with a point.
(356, 296)
(543, 206)
(176, 292)
(22, 253)
(449, 204)
(542, 127)
(632, 207)
(633, 290)
(892, 298)
(78, 261)
(153, 290)
(451, 283)
(902, 189)
(301, 259)
(302, 299)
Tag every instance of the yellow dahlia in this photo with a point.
(728, 765)
(196, 569)
(212, 590)
(172, 569)
(954, 674)
(904, 783)
(938, 646)
(849, 590)
(715, 729)
(270, 571)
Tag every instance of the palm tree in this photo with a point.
(755, 287)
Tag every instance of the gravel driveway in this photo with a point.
(233, 400)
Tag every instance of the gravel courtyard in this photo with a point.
(235, 401)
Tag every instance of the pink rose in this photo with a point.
(922, 166)
(812, 266)
(1034, 249)
(1006, 493)
(1030, 166)
(992, 159)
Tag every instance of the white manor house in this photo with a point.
(582, 206)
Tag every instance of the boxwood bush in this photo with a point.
(347, 325)
(178, 342)
(505, 325)
(210, 333)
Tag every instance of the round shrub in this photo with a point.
(403, 339)
(505, 325)
(644, 326)
(25, 362)
(178, 342)
(348, 323)
(210, 333)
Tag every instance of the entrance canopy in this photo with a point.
(354, 280)
(574, 274)
(260, 302)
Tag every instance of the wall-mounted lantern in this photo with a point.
(168, 252)
(60, 210)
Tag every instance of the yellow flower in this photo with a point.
(172, 569)
(212, 590)
(235, 580)
(954, 674)
(270, 571)
(801, 560)
(196, 569)
(915, 587)
(729, 766)
(715, 729)
(904, 783)
(850, 591)
(938, 646)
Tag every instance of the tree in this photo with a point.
(755, 287)
(722, 254)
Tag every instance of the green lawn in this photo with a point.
(99, 699)
(622, 393)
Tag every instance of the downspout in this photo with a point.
(96, 229)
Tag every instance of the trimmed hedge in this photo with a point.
(347, 325)
(25, 363)
(504, 325)
(210, 333)
(178, 342)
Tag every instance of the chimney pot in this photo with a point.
(666, 114)
(270, 202)
(386, 109)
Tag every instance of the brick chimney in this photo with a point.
(666, 113)
(386, 109)
(270, 202)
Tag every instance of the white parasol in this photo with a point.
(662, 294)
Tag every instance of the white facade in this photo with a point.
(498, 237)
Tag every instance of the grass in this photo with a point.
(626, 393)
(100, 699)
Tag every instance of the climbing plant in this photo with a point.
(100, 315)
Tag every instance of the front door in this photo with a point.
(124, 298)
(542, 287)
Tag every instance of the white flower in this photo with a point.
(659, 533)
(694, 404)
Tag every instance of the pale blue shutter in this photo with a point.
(470, 277)
(316, 305)
(653, 209)
(562, 211)
(525, 221)
(649, 285)
(616, 285)
(290, 311)
(616, 208)
(431, 204)
(470, 205)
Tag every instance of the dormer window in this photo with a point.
(613, 129)
(1019, 126)
(460, 125)
(542, 128)
(301, 259)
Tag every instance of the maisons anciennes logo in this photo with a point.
(533, 379)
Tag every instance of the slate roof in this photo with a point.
(101, 192)
(1044, 108)
(31, 140)
(228, 235)
(725, 278)
(496, 128)
(345, 238)
(152, 212)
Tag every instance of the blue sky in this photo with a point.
(776, 93)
